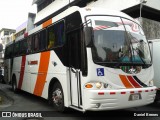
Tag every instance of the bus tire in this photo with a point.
(14, 85)
(56, 97)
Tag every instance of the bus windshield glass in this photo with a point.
(119, 40)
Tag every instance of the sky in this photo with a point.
(15, 12)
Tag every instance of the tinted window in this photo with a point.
(36, 39)
(42, 42)
(16, 49)
(73, 21)
(56, 35)
(23, 46)
(29, 44)
(9, 51)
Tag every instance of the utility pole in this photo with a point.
(141, 5)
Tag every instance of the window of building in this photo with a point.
(44, 4)
(6, 32)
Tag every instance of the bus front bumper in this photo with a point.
(96, 100)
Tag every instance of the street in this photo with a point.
(24, 102)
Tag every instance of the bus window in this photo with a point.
(56, 35)
(36, 42)
(8, 51)
(42, 41)
(51, 37)
(29, 45)
(16, 49)
(23, 46)
(59, 31)
(73, 21)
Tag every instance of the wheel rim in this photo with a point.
(14, 86)
(57, 97)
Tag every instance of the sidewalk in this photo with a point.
(5, 100)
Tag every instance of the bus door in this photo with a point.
(74, 57)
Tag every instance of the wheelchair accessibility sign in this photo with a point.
(100, 71)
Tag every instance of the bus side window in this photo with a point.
(6, 54)
(23, 46)
(56, 35)
(29, 44)
(51, 37)
(16, 49)
(36, 42)
(42, 40)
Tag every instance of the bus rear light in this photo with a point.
(88, 85)
(132, 92)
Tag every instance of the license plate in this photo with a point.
(133, 97)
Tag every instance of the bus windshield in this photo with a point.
(119, 40)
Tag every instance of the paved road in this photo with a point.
(23, 102)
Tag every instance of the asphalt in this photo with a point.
(5, 100)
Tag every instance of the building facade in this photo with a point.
(6, 35)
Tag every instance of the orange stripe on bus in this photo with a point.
(124, 80)
(42, 73)
(47, 23)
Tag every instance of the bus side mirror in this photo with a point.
(1, 47)
(88, 35)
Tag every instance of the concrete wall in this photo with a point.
(151, 29)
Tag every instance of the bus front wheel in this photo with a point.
(56, 97)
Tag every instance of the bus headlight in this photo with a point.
(98, 85)
(151, 83)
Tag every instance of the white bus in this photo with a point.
(84, 58)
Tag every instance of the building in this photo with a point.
(26, 26)
(6, 35)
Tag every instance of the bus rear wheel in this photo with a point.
(56, 97)
(14, 85)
